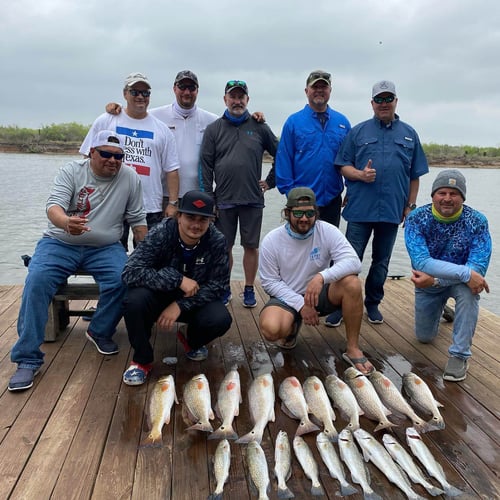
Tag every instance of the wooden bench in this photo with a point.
(59, 309)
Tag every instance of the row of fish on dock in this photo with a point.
(375, 397)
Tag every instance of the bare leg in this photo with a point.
(250, 264)
(275, 323)
(348, 293)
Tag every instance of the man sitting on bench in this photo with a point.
(86, 208)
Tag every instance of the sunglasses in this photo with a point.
(135, 93)
(298, 214)
(325, 76)
(231, 84)
(186, 86)
(380, 100)
(107, 155)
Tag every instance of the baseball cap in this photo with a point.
(319, 76)
(450, 178)
(383, 86)
(134, 78)
(294, 197)
(186, 75)
(236, 84)
(107, 138)
(197, 203)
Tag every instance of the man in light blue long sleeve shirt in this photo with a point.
(450, 248)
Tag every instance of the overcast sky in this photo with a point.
(62, 60)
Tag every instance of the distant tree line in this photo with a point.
(67, 136)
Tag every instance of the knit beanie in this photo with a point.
(451, 178)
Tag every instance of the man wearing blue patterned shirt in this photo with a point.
(450, 248)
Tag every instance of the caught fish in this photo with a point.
(394, 400)
(343, 398)
(406, 462)
(293, 404)
(434, 469)
(351, 456)
(421, 396)
(374, 452)
(257, 469)
(306, 459)
(261, 399)
(222, 462)
(197, 407)
(319, 405)
(368, 398)
(283, 464)
(161, 401)
(227, 406)
(333, 463)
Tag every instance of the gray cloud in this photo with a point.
(62, 61)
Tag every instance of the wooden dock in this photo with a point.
(76, 433)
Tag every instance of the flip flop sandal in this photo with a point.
(357, 361)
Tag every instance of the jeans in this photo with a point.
(143, 306)
(52, 263)
(429, 305)
(384, 237)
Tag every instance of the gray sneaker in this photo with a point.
(456, 369)
(22, 379)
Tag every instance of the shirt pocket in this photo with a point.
(404, 149)
(366, 148)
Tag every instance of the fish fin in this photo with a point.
(287, 412)
(451, 491)
(224, 432)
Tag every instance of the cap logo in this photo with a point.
(384, 85)
(452, 182)
(199, 203)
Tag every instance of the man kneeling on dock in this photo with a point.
(86, 208)
(177, 274)
(296, 271)
(450, 248)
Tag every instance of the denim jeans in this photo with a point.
(52, 263)
(429, 305)
(143, 306)
(384, 236)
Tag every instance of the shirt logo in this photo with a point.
(315, 254)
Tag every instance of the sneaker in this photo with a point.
(193, 354)
(249, 297)
(456, 369)
(334, 319)
(104, 346)
(199, 354)
(226, 298)
(374, 315)
(448, 314)
(22, 379)
(136, 374)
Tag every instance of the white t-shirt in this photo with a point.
(150, 149)
(287, 265)
(188, 134)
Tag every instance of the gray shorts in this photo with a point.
(250, 219)
(324, 306)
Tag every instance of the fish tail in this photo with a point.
(153, 440)
(384, 425)
(215, 496)
(285, 493)
(433, 491)
(201, 426)
(331, 433)
(451, 491)
(251, 436)
(372, 496)
(437, 424)
(305, 427)
(317, 490)
(347, 489)
(224, 432)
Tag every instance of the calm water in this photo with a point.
(26, 180)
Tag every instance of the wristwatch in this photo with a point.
(173, 203)
(412, 206)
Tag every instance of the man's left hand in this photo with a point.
(421, 279)
(169, 316)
